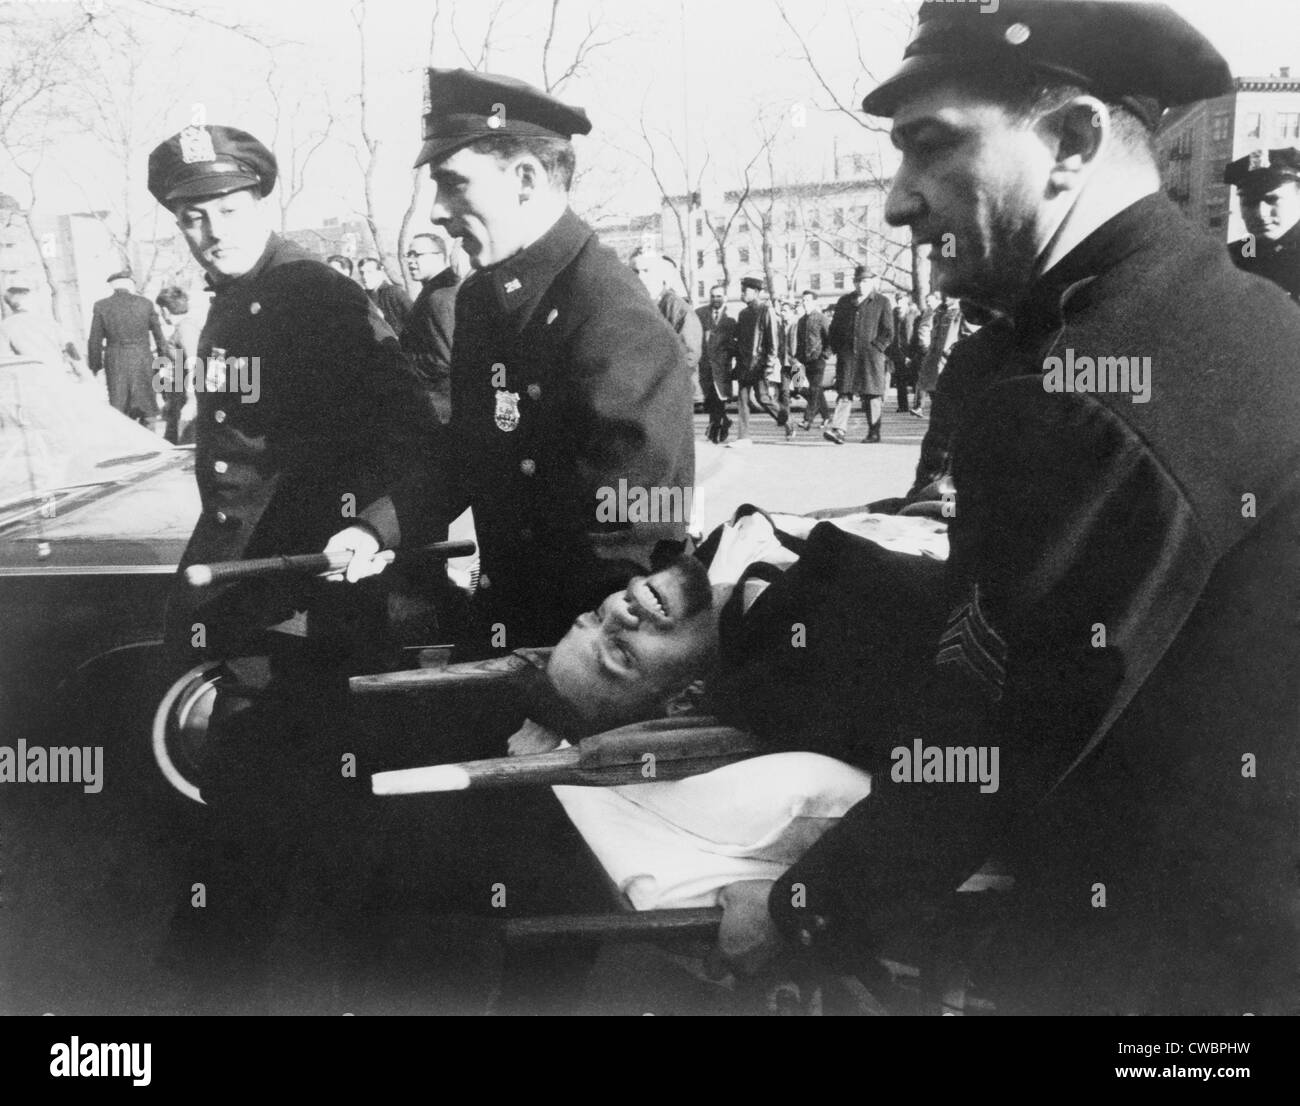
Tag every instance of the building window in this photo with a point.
(814, 250)
(791, 251)
(699, 228)
(815, 282)
(839, 278)
(743, 255)
(1220, 127)
(859, 163)
(790, 220)
(1288, 124)
(839, 217)
(699, 259)
(1254, 124)
(767, 252)
(717, 255)
(699, 289)
(816, 222)
(744, 225)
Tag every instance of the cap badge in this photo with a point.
(512, 285)
(196, 145)
(555, 314)
(1017, 34)
(507, 412)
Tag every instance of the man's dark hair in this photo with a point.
(555, 154)
(717, 287)
(339, 259)
(440, 243)
(175, 300)
(369, 261)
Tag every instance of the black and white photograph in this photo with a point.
(714, 508)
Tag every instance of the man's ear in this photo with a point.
(529, 172)
(1076, 132)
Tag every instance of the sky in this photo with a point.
(701, 77)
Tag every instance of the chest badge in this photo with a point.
(507, 412)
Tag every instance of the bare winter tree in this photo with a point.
(294, 142)
(882, 15)
(35, 72)
(369, 166)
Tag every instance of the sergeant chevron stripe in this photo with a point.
(971, 643)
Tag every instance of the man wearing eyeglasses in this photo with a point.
(428, 334)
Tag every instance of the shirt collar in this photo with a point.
(1151, 220)
(519, 281)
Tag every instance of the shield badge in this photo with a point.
(507, 412)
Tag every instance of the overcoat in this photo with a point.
(120, 328)
(861, 333)
(570, 436)
(719, 351)
(306, 411)
(1124, 587)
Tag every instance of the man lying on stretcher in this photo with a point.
(811, 637)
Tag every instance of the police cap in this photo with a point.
(202, 162)
(756, 283)
(463, 106)
(1141, 54)
(1263, 170)
(121, 274)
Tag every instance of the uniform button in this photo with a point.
(219, 415)
(525, 534)
(528, 466)
(534, 392)
(483, 581)
(254, 308)
(222, 518)
(219, 466)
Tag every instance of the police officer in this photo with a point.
(1124, 543)
(120, 328)
(306, 411)
(571, 427)
(1268, 189)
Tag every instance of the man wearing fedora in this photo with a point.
(1268, 190)
(1124, 573)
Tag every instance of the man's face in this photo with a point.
(1271, 214)
(226, 234)
(748, 295)
(865, 286)
(716, 299)
(425, 259)
(480, 201)
(649, 273)
(371, 276)
(619, 663)
(973, 186)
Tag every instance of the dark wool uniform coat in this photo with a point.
(571, 405)
(1129, 571)
(1276, 261)
(861, 333)
(120, 328)
(337, 418)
